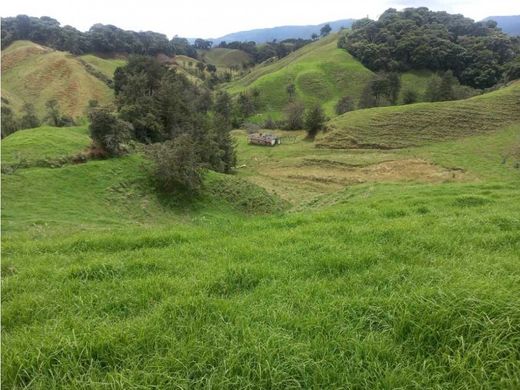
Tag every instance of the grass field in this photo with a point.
(311, 267)
(35, 74)
(415, 124)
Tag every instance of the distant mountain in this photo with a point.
(280, 33)
(509, 24)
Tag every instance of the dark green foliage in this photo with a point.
(176, 166)
(99, 38)
(108, 132)
(314, 121)
(53, 112)
(445, 88)
(202, 44)
(163, 105)
(382, 90)
(294, 115)
(417, 38)
(512, 70)
(261, 53)
(325, 30)
(223, 110)
(9, 122)
(410, 96)
(291, 91)
(29, 118)
(345, 104)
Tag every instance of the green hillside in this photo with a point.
(402, 126)
(225, 58)
(320, 71)
(375, 285)
(35, 74)
(104, 65)
(44, 143)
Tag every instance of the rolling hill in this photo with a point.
(225, 58)
(280, 33)
(415, 124)
(35, 74)
(321, 73)
(399, 279)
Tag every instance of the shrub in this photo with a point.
(294, 115)
(109, 132)
(410, 96)
(176, 166)
(314, 121)
(345, 104)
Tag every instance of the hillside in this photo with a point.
(416, 124)
(377, 284)
(35, 74)
(280, 33)
(225, 58)
(320, 71)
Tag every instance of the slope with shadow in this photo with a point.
(422, 123)
(320, 71)
(32, 73)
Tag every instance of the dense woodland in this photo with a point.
(99, 38)
(478, 53)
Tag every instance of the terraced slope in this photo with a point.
(321, 72)
(35, 74)
(416, 124)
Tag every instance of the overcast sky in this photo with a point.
(214, 18)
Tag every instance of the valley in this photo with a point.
(380, 251)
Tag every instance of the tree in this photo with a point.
(53, 112)
(294, 112)
(314, 121)
(29, 118)
(314, 36)
(109, 132)
(202, 44)
(367, 98)
(446, 91)
(176, 167)
(223, 110)
(9, 122)
(409, 96)
(325, 30)
(291, 91)
(345, 104)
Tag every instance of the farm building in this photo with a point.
(264, 139)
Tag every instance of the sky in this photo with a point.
(215, 18)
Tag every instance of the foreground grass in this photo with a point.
(378, 285)
(392, 287)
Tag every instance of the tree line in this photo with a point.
(478, 53)
(99, 38)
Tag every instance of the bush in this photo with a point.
(176, 167)
(109, 132)
(294, 115)
(345, 104)
(410, 96)
(314, 121)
